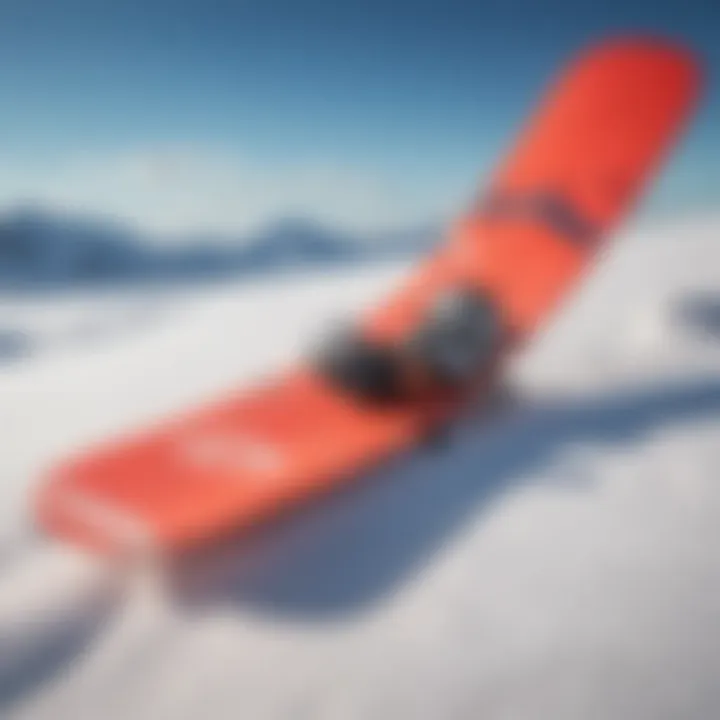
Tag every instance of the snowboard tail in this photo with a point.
(583, 158)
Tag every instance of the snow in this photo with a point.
(559, 558)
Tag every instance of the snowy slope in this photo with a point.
(559, 559)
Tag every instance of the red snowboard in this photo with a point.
(582, 160)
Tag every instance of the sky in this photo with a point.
(204, 115)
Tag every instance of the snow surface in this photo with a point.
(560, 558)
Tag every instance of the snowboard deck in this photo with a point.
(582, 160)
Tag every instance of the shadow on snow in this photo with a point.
(342, 553)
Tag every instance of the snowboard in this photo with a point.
(581, 161)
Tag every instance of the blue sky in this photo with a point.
(189, 114)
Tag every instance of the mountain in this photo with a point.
(39, 248)
(297, 240)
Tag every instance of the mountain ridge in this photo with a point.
(40, 247)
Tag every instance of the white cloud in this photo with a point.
(174, 190)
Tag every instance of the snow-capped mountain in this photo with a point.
(39, 248)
